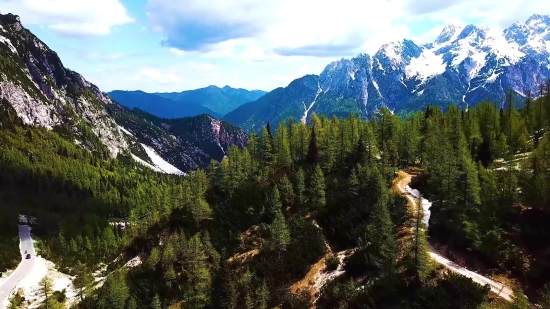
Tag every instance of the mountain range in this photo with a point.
(40, 91)
(210, 100)
(159, 106)
(463, 65)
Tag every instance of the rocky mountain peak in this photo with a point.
(37, 86)
(448, 34)
(538, 21)
(464, 65)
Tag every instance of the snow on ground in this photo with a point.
(160, 163)
(125, 131)
(61, 281)
(548, 46)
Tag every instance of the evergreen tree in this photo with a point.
(282, 146)
(316, 190)
(300, 187)
(280, 234)
(519, 301)
(197, 292)
(156, 302)
(544, 296)
(262, 296)
(46, 289)
(312, 156)
(266, 145)
(82, 280)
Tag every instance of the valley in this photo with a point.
(415, 177)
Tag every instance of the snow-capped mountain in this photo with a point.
(36, 87)
(464, 65)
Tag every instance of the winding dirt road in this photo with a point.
(413, 197)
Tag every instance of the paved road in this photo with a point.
(24, 268)
(497, 287)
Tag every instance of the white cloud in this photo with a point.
(191, 71)
(70, 17)
(256, 44)
(304, 26)
(267, 44)
(319, 28)
(494, 14)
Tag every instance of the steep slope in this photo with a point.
(220, 100)
(37, 90)
(45, 93)
(158, 105)
(186, 143)
(464, 65)
(279, 104)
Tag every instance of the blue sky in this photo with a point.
(171, 45)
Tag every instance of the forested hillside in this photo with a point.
(249, 231)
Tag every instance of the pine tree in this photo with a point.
(262, 296)
(266, 145)
(544, 296)
(316, 190)
(117, 291)
(312, 156)
(282, 146)
(194, 266)
(249, 302)
(287, 192)
(82, 280)
(300, 187)
(519, 301)
(131, 303)
(280, 234)
(46, 289)
(379, 232)
(156, 302)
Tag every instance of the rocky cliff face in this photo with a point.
(464, 65)
(43, 92)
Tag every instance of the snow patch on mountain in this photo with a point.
(426, 66)
(393, 51)
(147, 164)
(160, 163)
(493, 77)
(476, 63)
(8, 43)
(502, 48)
(125, 131)
(448, 35)
(306, 110)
